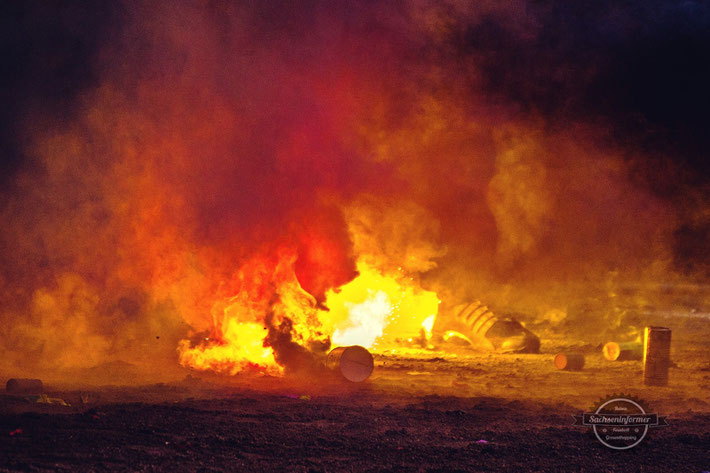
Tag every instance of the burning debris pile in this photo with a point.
(272, 323)
(246, 186)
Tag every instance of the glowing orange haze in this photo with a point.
(236, 163)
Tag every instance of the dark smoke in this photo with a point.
(637, 70)
(48, 53)
(290, 354)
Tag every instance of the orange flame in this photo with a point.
(374, 308)
(268, 294)
(371, 310)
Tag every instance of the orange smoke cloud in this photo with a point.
(233, 163)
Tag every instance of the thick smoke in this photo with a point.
(503, 152)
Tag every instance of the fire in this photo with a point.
(271, 315)
(428, 325)
(366, 321)
(373, 309)
(241, 346)
(270, 311)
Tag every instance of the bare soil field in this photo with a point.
(421, 411)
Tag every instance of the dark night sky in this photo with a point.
(651, 70)
(48, 52)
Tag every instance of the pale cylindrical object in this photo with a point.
(24, 386)
(615, 351)
(354, 363)
(656, 355)
(569, 361)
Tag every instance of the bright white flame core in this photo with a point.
(366, 322)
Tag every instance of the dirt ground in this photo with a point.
(421, 411)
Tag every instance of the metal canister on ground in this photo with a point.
(615, 351)
(569, 361)
(656, 355)
(24, 386)
(354, 363)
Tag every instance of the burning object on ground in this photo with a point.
(569, 361)
(656, 355)
(24, 386)
(354, 363)
(476, 323)
(615, 351)
(44, 399)
(456, 338)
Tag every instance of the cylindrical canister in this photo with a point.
(615, 351)
(656, 355)
(569, 361)
(354, 363)
(24, 386)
